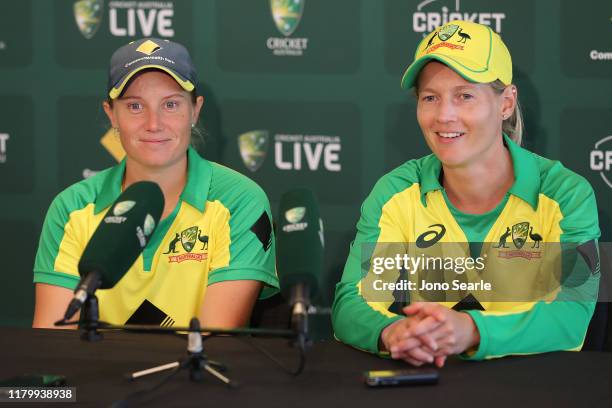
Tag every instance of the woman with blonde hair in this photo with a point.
(478, 187)
(212, 253)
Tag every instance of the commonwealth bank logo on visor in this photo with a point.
(473, 50)
(148, 47)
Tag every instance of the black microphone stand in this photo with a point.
(197, 361)
(90, 319)
(299, 323)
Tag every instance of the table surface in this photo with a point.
(332, 376)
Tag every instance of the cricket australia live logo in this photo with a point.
(287, 15)
(291, 151)
(4, 137)
(125, 18)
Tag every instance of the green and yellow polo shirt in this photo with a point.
(546, 204)
(219, 231)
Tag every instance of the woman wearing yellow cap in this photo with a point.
(212, 253)
(479, 195)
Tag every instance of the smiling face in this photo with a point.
(154, 117)
(461, 120)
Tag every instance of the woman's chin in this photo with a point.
(157, 160)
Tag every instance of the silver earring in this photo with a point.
(192, 125)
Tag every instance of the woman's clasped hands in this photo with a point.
(429, 333)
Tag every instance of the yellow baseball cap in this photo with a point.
(473, 50)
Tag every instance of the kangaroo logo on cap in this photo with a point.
(447, 31)
(148, 47)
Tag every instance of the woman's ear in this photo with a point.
(197, 108)
(509, 98)
(109, 113)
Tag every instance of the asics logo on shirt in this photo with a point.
(429, 238)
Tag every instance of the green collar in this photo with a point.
(526, 174)
(199, 174)
(430, 176)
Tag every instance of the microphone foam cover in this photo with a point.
(123, 233)
(299, 244)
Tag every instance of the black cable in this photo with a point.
(261, 349)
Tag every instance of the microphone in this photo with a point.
(194, 338)
(299, 245)
(118, 241)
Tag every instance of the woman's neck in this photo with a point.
(479, 187)
(171, 180)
